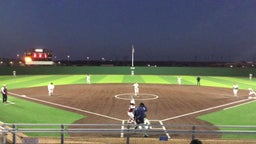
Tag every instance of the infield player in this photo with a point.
(131, 111)
(147, 123)
(136, 89)
(235, 89)
(252, 93)
(4, 93)
(50, 89)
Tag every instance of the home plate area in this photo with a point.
(149, 128)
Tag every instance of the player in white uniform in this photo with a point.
(50, 89)
(235, 89)
(250, 76)
(130, 111)
(252, 93)
(88, 79)
(136, 89)
(179, 80)
(147, 123)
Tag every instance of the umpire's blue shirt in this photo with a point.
(140, 112)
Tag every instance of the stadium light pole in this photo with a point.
(87, 59)
(68, 58)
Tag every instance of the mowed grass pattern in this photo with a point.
(243, 115)
(28, 112)
(44, 80)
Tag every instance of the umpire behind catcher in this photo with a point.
(140, 113)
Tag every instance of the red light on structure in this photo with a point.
(34, 55)
(39, 55)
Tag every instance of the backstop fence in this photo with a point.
(31, 133)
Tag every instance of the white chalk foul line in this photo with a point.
(163, 127)
(239, 105)
(203, 110)
(122, 128)
(127, 96)
(10, 102)
(68, 107)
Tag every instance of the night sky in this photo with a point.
(160, 30)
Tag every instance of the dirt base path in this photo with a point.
(108, 103)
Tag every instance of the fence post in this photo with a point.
(193, 132)
(128, 134)
(62, 134)
(4, 134)
(14, 133)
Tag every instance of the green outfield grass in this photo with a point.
(243, 115)
(29, 112)
(43, 80)
(22, 111)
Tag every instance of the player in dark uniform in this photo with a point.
(4, 93)
(198, 80)
(139, 115)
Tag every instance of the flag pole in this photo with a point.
(132, 56)
(132, 67)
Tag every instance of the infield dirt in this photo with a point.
(172, 104)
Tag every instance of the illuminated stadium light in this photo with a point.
(27, 59)
(39, 50)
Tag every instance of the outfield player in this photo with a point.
(179, 80)
(198, 80)
(235, 89)
(136, 89)
(250, 76)
(50, 89)
(14, 73)
(4, 93)
(88, 79)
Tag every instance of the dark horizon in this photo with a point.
(165, 30)
(242, 64)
